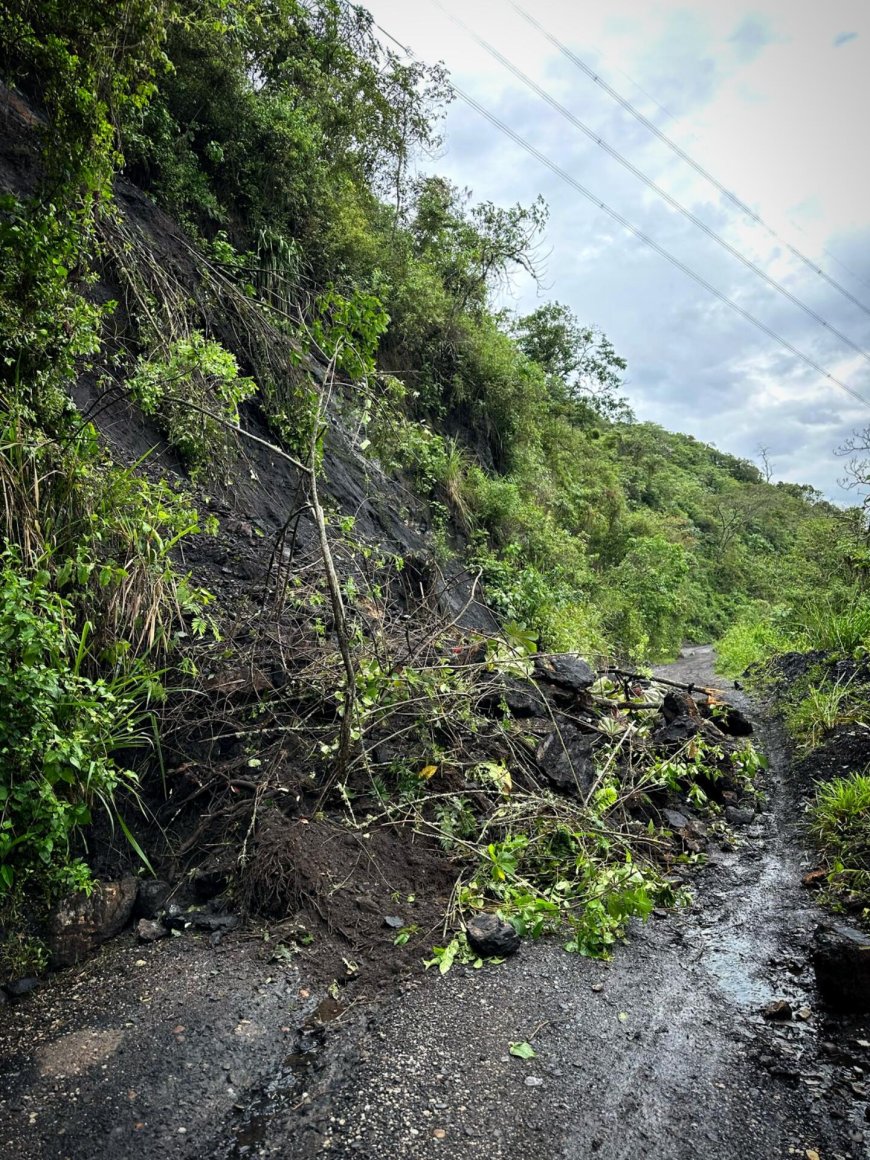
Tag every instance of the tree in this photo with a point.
(580, 360)
(857, 474)
(271, 111)
(474, 249)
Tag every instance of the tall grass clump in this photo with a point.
(840, 818)
(818, 707)
(820, 624)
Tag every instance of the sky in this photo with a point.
(772, 100)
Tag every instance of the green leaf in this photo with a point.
(128, 834)
(523, 1050)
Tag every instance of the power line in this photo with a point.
(634, 230)
(648, 182)
(732, 197)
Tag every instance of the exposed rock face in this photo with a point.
(490, 936)
(565, 758)
(79, 924)
(841, 957)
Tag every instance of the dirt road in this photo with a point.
(186, 1051)
(661, 1053)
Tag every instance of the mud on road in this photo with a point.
(662, 1052)
(188, 1050)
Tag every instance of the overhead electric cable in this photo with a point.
(634, 230)
(505, 62)
(699, 169)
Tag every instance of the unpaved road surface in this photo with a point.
(186, 1051)
(661, 1053)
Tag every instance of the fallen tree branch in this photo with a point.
(655, 680)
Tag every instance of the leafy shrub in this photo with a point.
(550, 878)
(58, 731)
(195, 389)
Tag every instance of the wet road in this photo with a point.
(661, 1053)
(172, 1050)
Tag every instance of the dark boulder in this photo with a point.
(676, 704)
(200, 920)
(565, 758)
(683, 729)
(79, 924)
(20, 987)
(841, 958)
(150, 930)
(520, 698)
(692, 833)
(491, 937)
(567, 670)
(739, 815)
(677, 731)
(734, 722)
(674, 820)
(727, 718)
(152, 897)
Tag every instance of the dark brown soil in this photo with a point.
(845, 750)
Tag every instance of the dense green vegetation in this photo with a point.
(281, 136)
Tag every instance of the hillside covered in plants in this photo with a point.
(287, 496)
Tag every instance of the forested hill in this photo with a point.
(213, 223)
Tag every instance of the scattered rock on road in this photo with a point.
(150, 930)
(779, 1010)
(739, 815)
(20, 987)
(491, 937)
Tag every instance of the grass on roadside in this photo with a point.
(840, 819)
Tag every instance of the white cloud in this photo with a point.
(771, 99)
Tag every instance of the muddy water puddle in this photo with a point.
(288, 1085)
